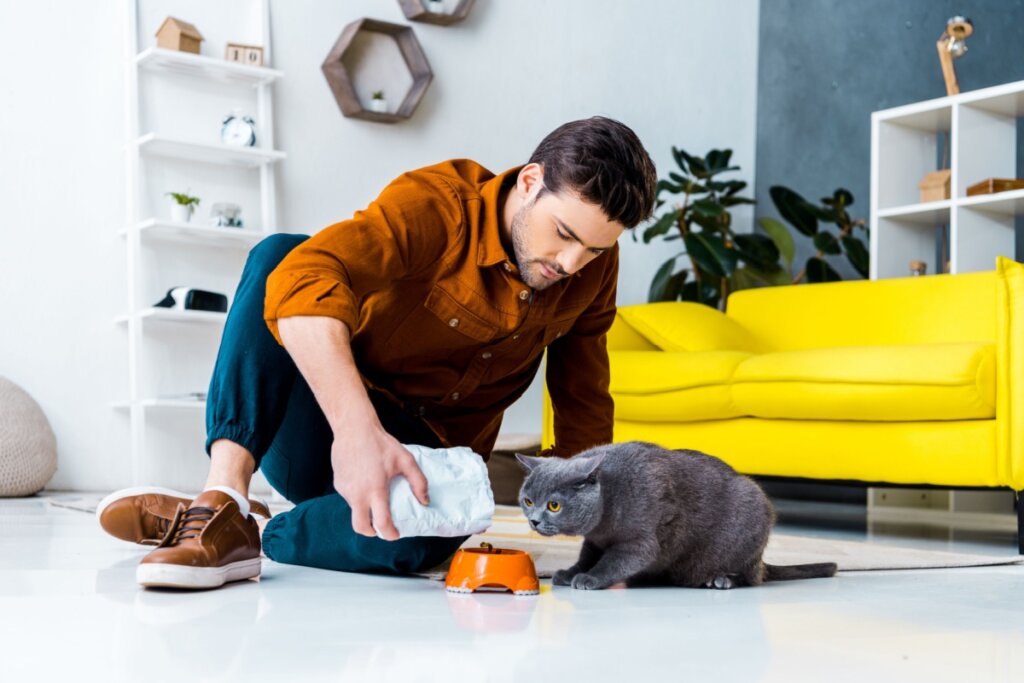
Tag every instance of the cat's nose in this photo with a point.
(533, 523)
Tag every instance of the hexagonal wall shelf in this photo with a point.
(423, 10)
(373, 55)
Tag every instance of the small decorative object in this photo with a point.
(993, 185)
(238, 130)
(225, 214)
(183, 207)
(378, 103)
(935, 186)
(245, 54)
(918, 268)
(190, 299)
(175, 34)
(951, 45)
(28, 447)
(438, 12)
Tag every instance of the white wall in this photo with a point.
(678, 72)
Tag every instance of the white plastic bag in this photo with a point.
(461, 500)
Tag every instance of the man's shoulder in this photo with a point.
(463, 176)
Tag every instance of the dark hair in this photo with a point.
(604, 162)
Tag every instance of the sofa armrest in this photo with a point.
(1010, 373)
(686, 326)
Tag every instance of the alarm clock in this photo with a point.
(238, 130)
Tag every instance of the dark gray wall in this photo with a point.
(825, 65)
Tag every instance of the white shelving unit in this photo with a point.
(907, 142)
(173, 108)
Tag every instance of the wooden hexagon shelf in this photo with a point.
(353, 52)
(420, 10)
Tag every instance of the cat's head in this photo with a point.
(562, 496)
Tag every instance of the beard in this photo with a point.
(529, 268)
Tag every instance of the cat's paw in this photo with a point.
(723, 582)
(588, 582)
(563, 577)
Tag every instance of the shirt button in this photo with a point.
(454, 322)
(455, 396)
(508, 267)
(524, 295)
(515, 336)
(421, 411)
(485, 355)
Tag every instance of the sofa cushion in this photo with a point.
(686, 326)
(671, 386)
(954, 381)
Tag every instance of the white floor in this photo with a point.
(70, 610)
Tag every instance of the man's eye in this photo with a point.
(562, 235)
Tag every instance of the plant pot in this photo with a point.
(379, 106)
(181, 213)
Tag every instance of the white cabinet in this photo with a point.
(976, 134)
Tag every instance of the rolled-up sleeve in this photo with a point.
(578, 376)
(406, 230)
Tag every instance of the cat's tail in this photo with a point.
(774, 572)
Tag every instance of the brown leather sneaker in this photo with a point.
(207, 545)
(143, 514)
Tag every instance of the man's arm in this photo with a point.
(364, 456)
(577, 374)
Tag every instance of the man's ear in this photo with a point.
(528, 461)
(530, 180)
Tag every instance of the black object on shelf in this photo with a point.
(190, 299)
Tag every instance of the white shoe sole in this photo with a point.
(180, 576)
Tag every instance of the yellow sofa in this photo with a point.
(904, 381)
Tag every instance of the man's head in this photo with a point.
(585, 183)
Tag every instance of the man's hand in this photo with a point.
(364, 464)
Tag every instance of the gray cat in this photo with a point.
(654, 516)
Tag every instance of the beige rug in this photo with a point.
(510, 530)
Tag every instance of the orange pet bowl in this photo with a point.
(490, 567)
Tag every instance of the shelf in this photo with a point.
(217, 236)
(1007, 203)
(165, 404)
(160, 59)
(176, 316)
(159, 145)
(930, 213)
(417, 10)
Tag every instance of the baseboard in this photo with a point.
(943, 518)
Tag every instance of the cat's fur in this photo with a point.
(653, 516)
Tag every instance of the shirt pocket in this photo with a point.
(457, 317)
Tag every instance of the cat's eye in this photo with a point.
(553, 506)
(527, 502)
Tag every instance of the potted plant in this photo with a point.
(719, 259)
(183, 207)
(377, 102)
(804, 216)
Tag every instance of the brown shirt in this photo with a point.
(440, 319)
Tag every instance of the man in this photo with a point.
(419, 320)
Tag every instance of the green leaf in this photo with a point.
(842, 198)
(732, 201)
(708, 223)
(820, 271)
(826, 243)
(704, 294)
(661, 226)
(743, 278)
(800, 213)
(710, 254)
(706, 207)
(674, 287)
(661, 278)
(697, 166)
(666, 186)
(780, 235)
(680, 157)
(857, 255)
(775, 276)
(757, 250)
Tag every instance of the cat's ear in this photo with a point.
(590, 465)
(527, 461)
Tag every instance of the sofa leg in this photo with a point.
(1020, 521)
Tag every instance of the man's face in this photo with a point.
(554, 235)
